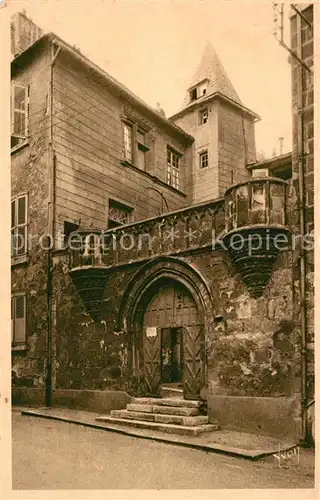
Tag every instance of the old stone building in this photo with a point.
(146, 257)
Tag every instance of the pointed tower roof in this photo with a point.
(212, 74)
(211, 68)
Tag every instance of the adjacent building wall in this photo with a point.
(303, 155)
(29, 174)
(236, 146)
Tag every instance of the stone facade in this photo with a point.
(302, 37)
(98, 302)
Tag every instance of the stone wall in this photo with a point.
(303, 152)
(30, 175)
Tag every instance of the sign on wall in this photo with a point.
(151, 331)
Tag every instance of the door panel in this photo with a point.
(193, 354)
(152, 367)
(176, 351)
(166, 355)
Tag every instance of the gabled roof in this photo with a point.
(118, 87)
(219, 84)
(211, 68)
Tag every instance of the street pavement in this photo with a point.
(47, 454)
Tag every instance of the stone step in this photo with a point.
(157, 426)
(168, 410)
(186, 403)
(160, 418)
(172, 392)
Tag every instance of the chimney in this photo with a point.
(281, 139)
(160, 110)
(24, 32)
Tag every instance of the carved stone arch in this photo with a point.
(145, 350)
(155, 270)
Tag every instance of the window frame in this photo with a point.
(15, 227)
(203, 153)
(18, 344)
(22, 138)
(121, 206)
(127, 126)
(310, 198)
(141, 148)
(201, 113)
(136, 144)
(173, 171)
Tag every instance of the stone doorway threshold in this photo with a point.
(233, 443)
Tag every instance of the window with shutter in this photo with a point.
(19, 225)
(135, 143)
(127, 137)
(19, 114)
(18, 319)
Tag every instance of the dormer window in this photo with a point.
(199, 91)
(193, 94)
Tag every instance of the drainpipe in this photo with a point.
(302, 257)
(51, 224)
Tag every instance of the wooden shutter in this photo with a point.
(21, 217)
(19, 311)
(19, 110)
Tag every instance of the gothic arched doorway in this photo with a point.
(171, 338)
(167, 305)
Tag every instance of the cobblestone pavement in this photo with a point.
(55, 455)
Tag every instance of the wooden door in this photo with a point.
(166, 355)
(193, 355)
(152, 360)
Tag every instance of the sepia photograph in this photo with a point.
(162, 245)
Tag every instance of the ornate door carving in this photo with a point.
(193, 354)
(152, 362)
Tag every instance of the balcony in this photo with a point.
(256, 228)
(93, 254)
(87, 271)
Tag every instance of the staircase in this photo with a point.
(172, 391)
(172, 415)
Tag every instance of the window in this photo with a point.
(135, 148)
(119, 214)
(19, 210)
(203, 116)
(204, 159)
(19, 114)
(127, 138)
(69, 229)
(202, 89)
(141, 150)
(173, 165)
(310, 198)
(18, 319)
(260, 172)
(193, 94)
(199, 91)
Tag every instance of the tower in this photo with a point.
(223, 129)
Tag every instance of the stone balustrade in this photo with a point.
(169, 234)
